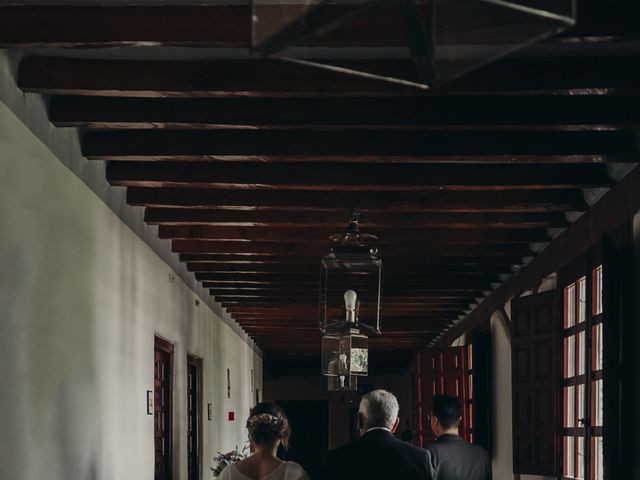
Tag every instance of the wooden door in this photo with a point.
(194, 416)
(162, 409)
(441, 371)
(535, 385)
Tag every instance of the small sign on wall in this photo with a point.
(149, 402)
(232, 416)
(209, 411)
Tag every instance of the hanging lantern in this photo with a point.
(350, 304)
(421, 43)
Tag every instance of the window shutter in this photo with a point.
(535, 385)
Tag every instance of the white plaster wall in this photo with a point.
(81, 297)
(501, 447)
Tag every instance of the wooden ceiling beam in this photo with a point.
(319, 250)
(416, 260)
(124, 26)
(310, 305)
(314, 268)
(73, 26)
(257, 218)
(221, 78)
(362, 145)
(440, 292)
(331, 176)
(390, 236)
(312, 297)
(185, 78)
(439, 112)
(313, 278)
(399, 315)
(544, 201)
(472, 282)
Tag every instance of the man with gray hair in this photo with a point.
(377, 454)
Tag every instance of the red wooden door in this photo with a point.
(441, 371)
(162, 408)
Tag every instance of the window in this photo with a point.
(582, 378)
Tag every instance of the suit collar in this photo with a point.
(378, 432)
(449, 437)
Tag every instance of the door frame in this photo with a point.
(169, 348)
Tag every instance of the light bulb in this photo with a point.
(350, 298)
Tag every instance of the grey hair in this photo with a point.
(379, 408)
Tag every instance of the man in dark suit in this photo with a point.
(451, 458)
(377, 455)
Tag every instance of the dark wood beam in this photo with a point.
(308, 295)
(124, 26)
(216, 78)
(390, 280)
(415, 260)
(586, 74)
(314, 268)
(423, 314)
(332, 176)
(362, 145)
(617, 206)
(343, 202)
(228, 26)
(278, 291)
(257, 218)
(427, 112)
(392, 285)
(268, 306)
(221, 78)
(387, 236)
(319, 250)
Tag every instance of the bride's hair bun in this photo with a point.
(268, 423)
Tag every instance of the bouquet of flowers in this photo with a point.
(222, 460)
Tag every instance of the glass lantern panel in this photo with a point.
(421, 43)
(359, 355)
(363, 276)
(342, 383)
(330, 355)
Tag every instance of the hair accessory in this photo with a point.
(265, 418)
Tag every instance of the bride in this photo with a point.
(268, 429)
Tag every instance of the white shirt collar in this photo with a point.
(378, 428)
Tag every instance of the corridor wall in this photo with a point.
(81, 298)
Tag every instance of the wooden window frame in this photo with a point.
(615, 253)
(582, 429)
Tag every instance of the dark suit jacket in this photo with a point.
(377, 455)
(451, 458)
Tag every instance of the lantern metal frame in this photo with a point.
(345, 341)
(351, 249)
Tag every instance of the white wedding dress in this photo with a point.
(285, 471)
